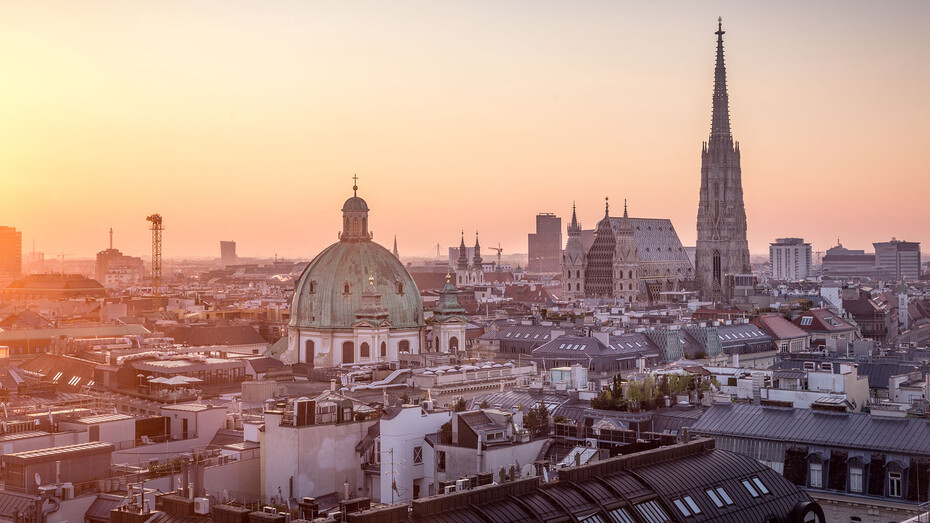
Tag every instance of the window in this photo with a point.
(453, 343)
(312, 287)
(345, 288)
(816, 475)
(652, 512)
(692, 505)
(403, 346)
(440, 461)
(418, 455)
(894, 484)
(383, 349)
(620, 515)
(364, 350)
(761, 486)
(400, 287)
(806, 321)
(682, 507)
(750, 488)
(308, 351)
(354, 226)
(348, 352)
(855, 479)
(715, 498)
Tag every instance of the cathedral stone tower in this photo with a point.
(722, 249)
(573, 262)
(626, 262)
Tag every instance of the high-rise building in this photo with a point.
(545, 245)
(722, 251)
(117, 270)
(11, 253)
(899, 260)
(228, 252)
(790, 259)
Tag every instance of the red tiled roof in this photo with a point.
(779, 327)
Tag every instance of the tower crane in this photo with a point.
(499, 250)
(156, 252)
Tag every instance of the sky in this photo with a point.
(245, 121)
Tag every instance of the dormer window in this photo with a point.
(400, 287)
(312, 287)
(345, 288)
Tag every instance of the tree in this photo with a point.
(484, 404)
(536, 420)
(460, 405)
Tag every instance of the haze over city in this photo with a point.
(246, 123)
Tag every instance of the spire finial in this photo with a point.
(354, 185)
(607, 206)
(624, 208)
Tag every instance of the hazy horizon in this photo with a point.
(245, 121)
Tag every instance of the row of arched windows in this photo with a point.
(348, 350)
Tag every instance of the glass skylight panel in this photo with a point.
(692, 505)
(682, 507)
(621, 515)
(762, 488)
(715, 498)
(750, 488)
(724, 496)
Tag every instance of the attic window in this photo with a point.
(806, 320)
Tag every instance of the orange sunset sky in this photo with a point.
(246, 120)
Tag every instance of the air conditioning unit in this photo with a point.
(269, 510)
(201, 506)
(461, 484)
(450, 489)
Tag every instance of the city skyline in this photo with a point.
(247, 113)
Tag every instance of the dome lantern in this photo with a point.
(355, 217)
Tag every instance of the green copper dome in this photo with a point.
(320, 298)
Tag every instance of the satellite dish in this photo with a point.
(38, 479)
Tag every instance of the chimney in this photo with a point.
(332, 385)
(685, 434)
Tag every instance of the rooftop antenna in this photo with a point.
(111, 238)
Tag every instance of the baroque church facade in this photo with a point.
(625, 259)
(355, 303)
(722, 253)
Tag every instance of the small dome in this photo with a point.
(355, 204)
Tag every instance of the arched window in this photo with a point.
(631, 275)
(717, 268)
(403, 346)
(308, 351)
(348, 352)
(453, 344)
(383, 349)
(354, 226)
(363, 351)
(577, 286)
(400, 287)
(365, 225)
(578, 274)
(345, 288)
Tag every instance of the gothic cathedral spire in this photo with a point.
(722, 250)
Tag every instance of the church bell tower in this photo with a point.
(722, 250)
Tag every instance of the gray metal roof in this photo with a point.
(810, 427)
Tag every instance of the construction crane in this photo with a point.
(62, 256)
(499, 250)
(819, 256)
(156, 252)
